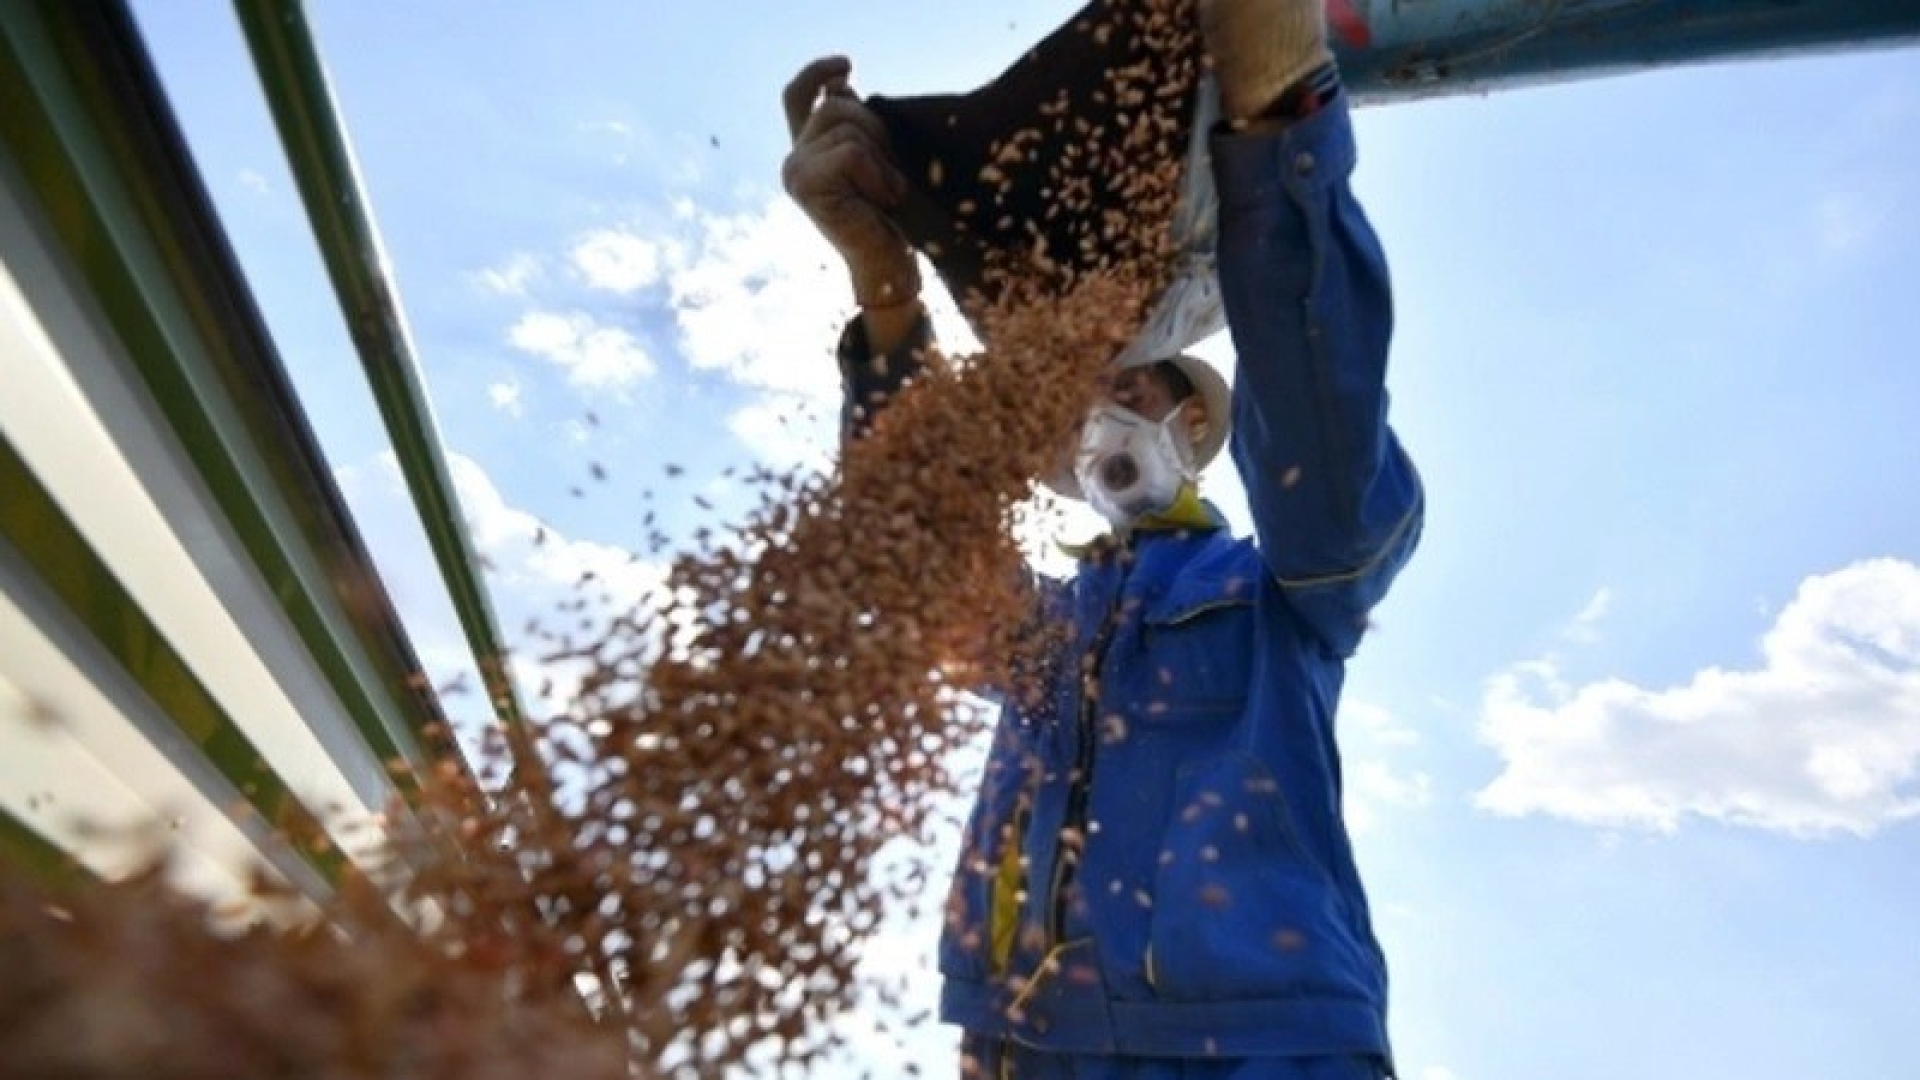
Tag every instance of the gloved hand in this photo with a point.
(1260, 48)
(842, 175)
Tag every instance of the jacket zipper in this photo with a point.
(1079, 787)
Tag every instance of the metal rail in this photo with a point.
(21, 845)
(197, 735)
(86, 132)
(298, 94)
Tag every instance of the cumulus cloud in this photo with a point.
(536, 563)
(1822, 737)
(512, 277)
(592, 356)
(762, 298)
(616, 260)
(541, 577)
(1374, 788)
(1377, 783)
(1585, 627)
(532, 572)
(757, 297)
(618, 128)
(789, 429)
(1375, 726)
(505, 396)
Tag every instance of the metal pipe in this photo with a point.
(298, 93)
(1392, 50)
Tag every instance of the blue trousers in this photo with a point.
(984, 1058)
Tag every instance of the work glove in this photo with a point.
(1260, 48)
(842, 175)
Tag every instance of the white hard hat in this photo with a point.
(1212, 390)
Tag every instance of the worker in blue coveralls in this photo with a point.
(1199, 909)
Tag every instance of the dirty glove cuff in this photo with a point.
(868, 379)
(1260, 48)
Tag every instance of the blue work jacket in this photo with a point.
(1157, 864)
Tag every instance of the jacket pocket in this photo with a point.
(1240, 911)
(1198, 643)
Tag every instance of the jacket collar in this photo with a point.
(1189, 513)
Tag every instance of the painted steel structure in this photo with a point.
(1396, 50)
(185, 589)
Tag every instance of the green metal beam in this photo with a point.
(21, 845)
(297, 91)
(37, 530)
(83, 115)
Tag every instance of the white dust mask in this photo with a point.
(1129, 466)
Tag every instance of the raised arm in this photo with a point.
(842, 175)
(1337, 506)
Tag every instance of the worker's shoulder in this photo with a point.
(1217, 554)
(1224, 546)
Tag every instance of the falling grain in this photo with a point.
(675, 869)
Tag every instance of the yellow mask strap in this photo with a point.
(1188, 511)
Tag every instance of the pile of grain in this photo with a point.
(127, 981)
(689, 845)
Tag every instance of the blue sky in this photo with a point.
(1633, 754)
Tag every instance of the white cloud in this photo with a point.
(757, 296)
(1585, 628)
(617, 128)
(1376, 784)
(1596, 608)
(531, 571)
(1438, 1072)
(616, 260)
(253, 181)
(505, 396)
(578, 431)
(594, 357)
(511, 278)
(1823, 737)
(1373, 788)
(762, 297)
(527, 554)
(1376, 726)
(788, 429)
